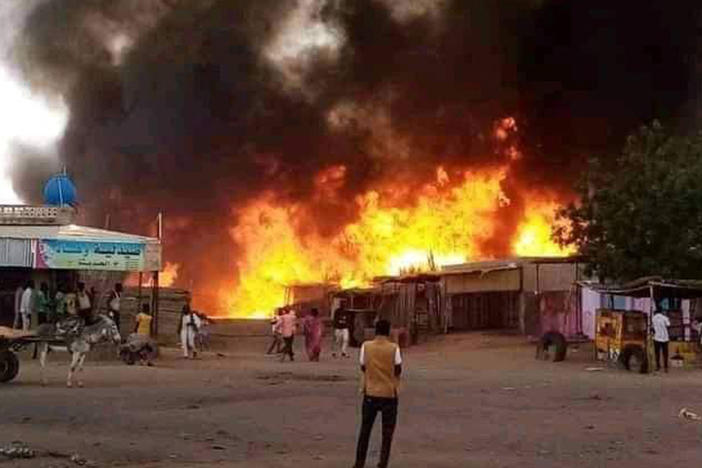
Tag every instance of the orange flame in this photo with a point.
(169, 275)
(166, 278)
(447, 221)
(399, 228)
(534, 232)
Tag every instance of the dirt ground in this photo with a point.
(474, 400)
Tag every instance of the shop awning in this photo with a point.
(683, 289)
(73, 247)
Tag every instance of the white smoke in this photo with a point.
(26, 118)
(303, 37)
(404, 11)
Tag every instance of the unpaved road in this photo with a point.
(474, 400)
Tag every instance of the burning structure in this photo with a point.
(318, 141)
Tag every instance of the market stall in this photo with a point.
(623, 320)
(40, 243)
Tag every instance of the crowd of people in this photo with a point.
(285, 323)
(380, 361)
(36, 306)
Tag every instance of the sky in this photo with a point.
(27, 118)
(194, 108)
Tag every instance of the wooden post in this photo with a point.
(154, 284)
(648, 342)
(141, 280)
(154, 304)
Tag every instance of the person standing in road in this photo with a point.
(188, 328)
(288, 324)
(17, 323)
(313, 328)
(381, 364)
(141, 339)
(27, 305)
(85, 309)
(143, 321)
(277, 343)
(42, 304)
(341, 322)
(661, 338)
(59, 309)
(114, 304)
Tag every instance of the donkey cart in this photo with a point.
(12, 342)
(9, 346)
(9, 364)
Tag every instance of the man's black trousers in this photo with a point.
(371, 407)
(661, 348)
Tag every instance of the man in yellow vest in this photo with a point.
(381, 363)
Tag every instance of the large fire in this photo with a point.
(167, 277)
(399, 228)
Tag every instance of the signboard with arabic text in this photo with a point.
(85, 255)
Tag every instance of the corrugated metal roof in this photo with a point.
(479, 267)
(484, 267)
(72, 232)
(16, 253)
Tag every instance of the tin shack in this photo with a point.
(530, 295)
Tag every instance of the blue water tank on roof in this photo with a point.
(59, 191)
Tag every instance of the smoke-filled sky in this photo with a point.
(31, 123)
(191, 106)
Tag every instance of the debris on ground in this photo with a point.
(689, 415)
(277, 378)
(594, 369)
(17, 450)
(78, 460)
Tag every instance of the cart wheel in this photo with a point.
(552, 346)
(633, 357)
(9, 366)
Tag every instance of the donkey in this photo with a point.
(78, 339)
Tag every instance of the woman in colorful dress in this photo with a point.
(313, 335)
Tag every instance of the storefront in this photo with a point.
(41, 244)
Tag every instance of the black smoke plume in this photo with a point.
(194, 118)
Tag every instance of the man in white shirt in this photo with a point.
(288, 326)
(26, 305)
(277, 343)
(114, 304)
(661, 338)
